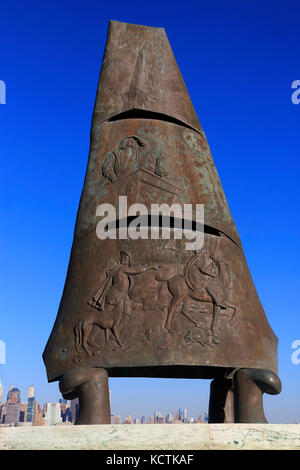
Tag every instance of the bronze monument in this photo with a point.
(146, 306)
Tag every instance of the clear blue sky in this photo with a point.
(238, 59)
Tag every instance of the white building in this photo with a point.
(52, 414)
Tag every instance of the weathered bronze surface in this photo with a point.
(150, 307)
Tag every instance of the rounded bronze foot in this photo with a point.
(249, 386)
(90, 385)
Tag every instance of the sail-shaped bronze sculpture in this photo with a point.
(149, 307)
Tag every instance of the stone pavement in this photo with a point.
(153, 437)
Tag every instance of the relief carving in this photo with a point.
(200, 293)
(131, 155)
(111, 301)
(146, 336)
(128, 158)
(205, 280)
(202, 337)
(160, 166)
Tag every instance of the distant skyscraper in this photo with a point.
(158, 417)
(38, 416)
(128, 420)
(31, 391)
(53, 414)
(23, 412)
(12, 415)
(170, 418)
(185, 416)
(68, 414)
(30, 409)
(14, 395)
(31, 405)
(115, 419)
(74, 407)
(65, 410)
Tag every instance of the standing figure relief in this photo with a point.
(111, 301)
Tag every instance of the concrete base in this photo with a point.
(153, 437)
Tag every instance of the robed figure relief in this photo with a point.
(111, 301)
(128, 158)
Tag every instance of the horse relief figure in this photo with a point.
(204, 279)
(111, 301)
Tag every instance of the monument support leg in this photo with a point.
(90, 385)
(249, 386)
(221, 407)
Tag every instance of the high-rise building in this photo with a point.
(14, 395)
(185, 418)
(199, 420)
(74, 408)
(158, 417)
(38, 416)
(65, 410)
(30, 409)
(128, 420)
(170, 418)
(23, 412)
(31, 391)
(52, 414)
(12, 415)
(2, 413)
(115, 419)
(31, 405)
(10, 411)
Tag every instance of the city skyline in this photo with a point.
(66, 411)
